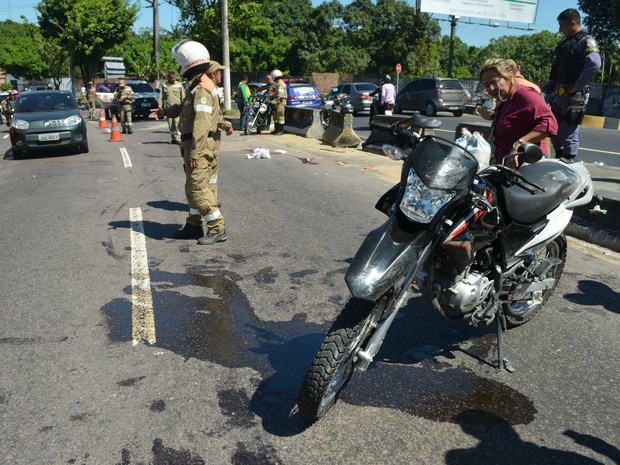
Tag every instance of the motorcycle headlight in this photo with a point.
(421, 203)
(73, 120)
(20, 124)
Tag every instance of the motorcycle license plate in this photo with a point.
(388, 112)
(48, 137)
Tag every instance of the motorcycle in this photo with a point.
(377, 109)
(338, 102)
(8, 110)
(479, 246)
(259, 115)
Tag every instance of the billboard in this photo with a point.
(521, 11)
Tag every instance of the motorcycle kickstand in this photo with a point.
(503, 362)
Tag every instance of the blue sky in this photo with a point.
(471, 34)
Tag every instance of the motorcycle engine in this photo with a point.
(466, 294)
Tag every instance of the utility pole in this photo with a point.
(156, 48)
(453, 20)
(226, 54)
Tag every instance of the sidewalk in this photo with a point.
(601, 230)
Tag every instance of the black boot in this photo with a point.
(279, 129)
(188, 232)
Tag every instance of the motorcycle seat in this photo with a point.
(560, 181)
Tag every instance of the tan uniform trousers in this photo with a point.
(200, 194)
(126, 116)
(280, 107)
(173, 126)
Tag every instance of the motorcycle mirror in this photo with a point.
(393, 152)
(529, 153)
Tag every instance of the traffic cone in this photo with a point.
(103, 124)
(115, 135)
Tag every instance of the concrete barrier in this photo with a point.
(340, 131)
(303, 121)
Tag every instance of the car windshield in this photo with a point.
(450, 85)
(365, 87)
(140, 87)
(45, 102)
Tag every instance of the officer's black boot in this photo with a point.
(129, 129)
(559, 153)
(275, 128)
(279, 129)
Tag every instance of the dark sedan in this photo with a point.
(45, 120)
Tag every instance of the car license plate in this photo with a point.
(453, 108)
(51, 136)
(146, 105)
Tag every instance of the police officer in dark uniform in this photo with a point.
(576, 61)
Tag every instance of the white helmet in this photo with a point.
(276, 73)
(191, 56)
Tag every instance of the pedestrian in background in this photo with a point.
(576, 61)
(522, 115)
(92, 108)
(83, 97)
(171, 92)
(124, 96)
(278, 100)
(244, 97)
(199, 115)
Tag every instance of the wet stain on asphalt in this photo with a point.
(163, 455)
(221, 327)
(130, 381)
(234, 405)
(158, 406)
(265, 455)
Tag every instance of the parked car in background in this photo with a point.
(45, 120)
(430, 95)
(359, 94)
(145, 99)
(302, 94)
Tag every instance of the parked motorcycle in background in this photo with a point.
(339, 102)
(377, 109)
(259, 114)
(480, 246)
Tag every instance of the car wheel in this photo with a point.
(458, 113)
(429, 109)
(84, 148)
(18, 154)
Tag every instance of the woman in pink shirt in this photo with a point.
(522, 114)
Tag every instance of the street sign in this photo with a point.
(398, 68)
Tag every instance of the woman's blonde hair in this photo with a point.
(501, 66)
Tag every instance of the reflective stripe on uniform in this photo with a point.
(213, 216)
(193, 211)
(213, 180)
(204, 108)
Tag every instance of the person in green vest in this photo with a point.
(244, 97)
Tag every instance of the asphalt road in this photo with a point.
(596, 145)
(88, 266)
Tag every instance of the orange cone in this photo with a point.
(115, 135)
(103, 124)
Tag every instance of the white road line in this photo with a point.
(126, 159)
(142, 318)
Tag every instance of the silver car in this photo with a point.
(430, 95)
(359, 94)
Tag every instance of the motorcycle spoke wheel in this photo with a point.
(334, 363)
(521, 312)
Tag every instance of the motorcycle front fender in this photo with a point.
(386, 255)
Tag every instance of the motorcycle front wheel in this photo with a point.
(334, 363)
(521, 312)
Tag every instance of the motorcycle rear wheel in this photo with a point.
(521, 312)
(334, 363)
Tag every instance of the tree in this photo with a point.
(87, 28)
(16, 52)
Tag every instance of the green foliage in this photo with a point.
(88, 29)
(18, 52)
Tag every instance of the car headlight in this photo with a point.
(73, 120)
(20, 124)
(421, 203)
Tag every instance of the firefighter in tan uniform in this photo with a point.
(199, 114)
(279, 101)
(215, 73)
(123, 96)
(92, 108)
(171, 93)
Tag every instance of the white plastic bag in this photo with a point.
(476, 145)
(260, 152)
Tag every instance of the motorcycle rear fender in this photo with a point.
(385, 256)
